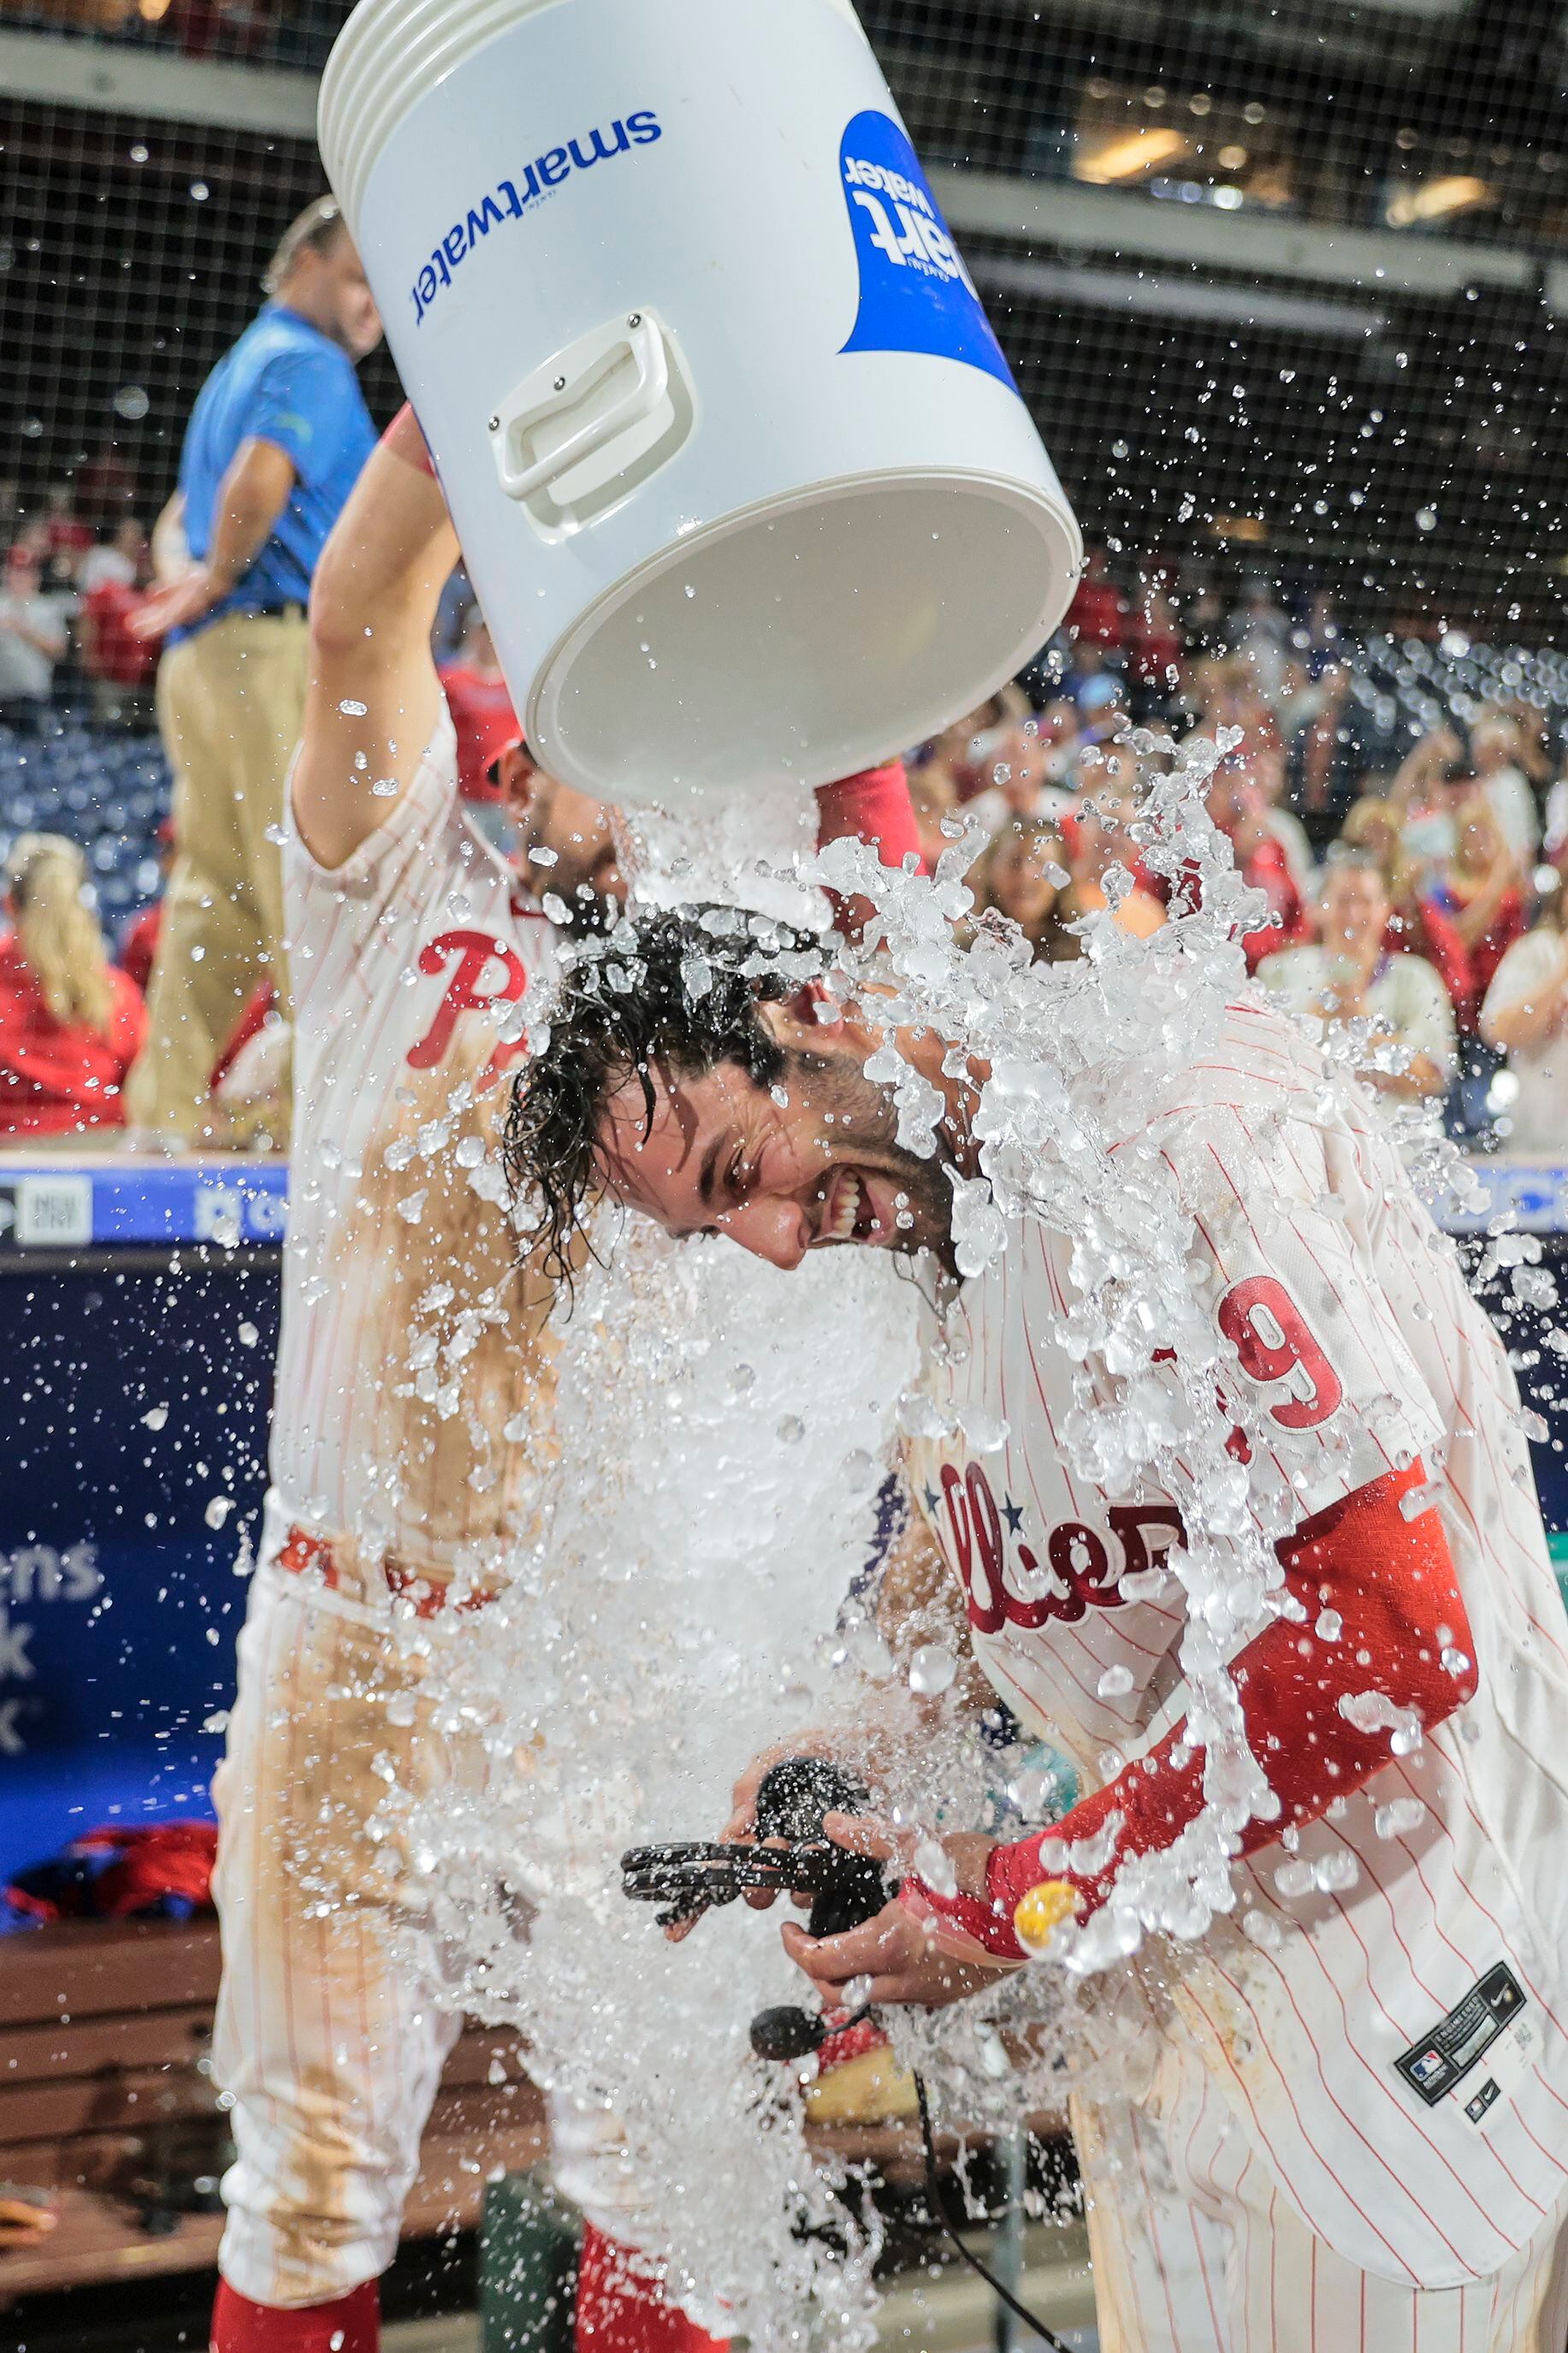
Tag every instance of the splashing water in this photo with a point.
(682, 1599)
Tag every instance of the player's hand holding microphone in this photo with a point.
(801, 1828)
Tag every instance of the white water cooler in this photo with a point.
(741, 479)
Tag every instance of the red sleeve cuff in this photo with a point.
(405, 439)
(989, 1924)
(873, 807)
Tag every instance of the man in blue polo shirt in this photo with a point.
(275, 444)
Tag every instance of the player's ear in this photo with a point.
(816, 1007)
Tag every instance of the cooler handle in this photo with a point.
(641, 337)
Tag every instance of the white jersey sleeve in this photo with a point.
(350, 925)
(1313, 1361)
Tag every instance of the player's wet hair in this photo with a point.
(675, 991)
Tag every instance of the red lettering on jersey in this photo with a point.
(1265, 1358)
(1078, 1575)
(469, 954)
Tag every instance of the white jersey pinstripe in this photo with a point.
(1290, 1187)
(406, 961)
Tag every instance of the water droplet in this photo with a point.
(933, 1669)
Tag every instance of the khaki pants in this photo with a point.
(230, 704)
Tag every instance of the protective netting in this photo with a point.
(1279, 285)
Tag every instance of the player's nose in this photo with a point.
(774, 1229)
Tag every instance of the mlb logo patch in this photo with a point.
(1429, 2064)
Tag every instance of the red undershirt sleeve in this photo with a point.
(1390, 1583)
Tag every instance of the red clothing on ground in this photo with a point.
(109, 651)
(139, 944)
(55, 1079)
(486, 723)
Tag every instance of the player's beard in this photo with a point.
(863, 1134)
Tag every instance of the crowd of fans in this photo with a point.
(1421, 897)
(67, 600)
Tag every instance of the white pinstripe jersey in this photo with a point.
(406, 962)
(1304, 1212)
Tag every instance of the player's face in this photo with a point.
(810, 1163)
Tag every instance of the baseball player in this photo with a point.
(413, 1393)
(1348, 2120)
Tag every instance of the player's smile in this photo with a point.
(814, 1164)
(854, 1205)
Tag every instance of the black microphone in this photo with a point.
(787, 2033)
(791, 1803)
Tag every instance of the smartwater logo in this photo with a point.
(915, 292)
(508, 200)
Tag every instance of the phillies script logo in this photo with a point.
(482, 972)
(1003, 1576)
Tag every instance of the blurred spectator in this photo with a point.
(1497, 757)
(1103, 715)
(480, 705)
(1266, 768)
(1433, 761)
(1328, 752)
(961, 750)
(1554, 829)
(1483, 889)
(1525, 1016)
(70, 1025)
(934, 802)
(1097, 837)
(1318, 639)
(121, 559)
(66, 538)
(1259, 631)
(1222, 691)
(274, 446)
(1200, 609)
(1022, 785)
(1348, 975)
(1154, 646)
(1417, 921)
(138, 944)
(120, 661)
(1236, 806)
(105, 490)
(1534, 755)
(1022, 876)
(1098, 615)
(32, 641)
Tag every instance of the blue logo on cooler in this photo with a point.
(915, 292)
